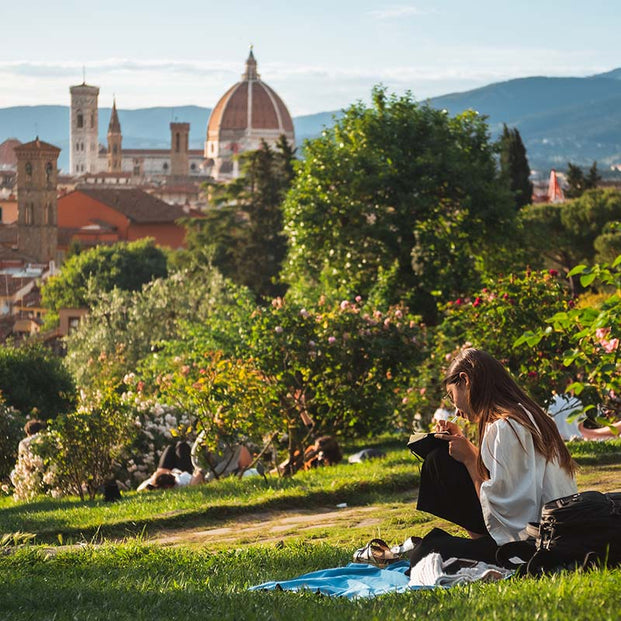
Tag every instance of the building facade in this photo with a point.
(37, 176)
(83, 135)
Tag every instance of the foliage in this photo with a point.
(34, 380)
(11, 432)
(560, 236)
(88, 274)
(514, 166)
(80, 448)
(243, 229)
(493, 319)
(578, 182)
(123, 328)
(228, 399)
(345, 366)
(154, 426)
(592, 355)
(399, 189)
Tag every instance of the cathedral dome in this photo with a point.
(249, 112)
(249, 104)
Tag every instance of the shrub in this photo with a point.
(592, 333)
(11, 432)
(81, 448)
(32, 378)
(493, 319)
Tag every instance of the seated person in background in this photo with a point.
(230, 460)
(174, 469)
(324, 452)
(565, 406)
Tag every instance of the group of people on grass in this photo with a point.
(492, 488)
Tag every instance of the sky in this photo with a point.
(319, 55)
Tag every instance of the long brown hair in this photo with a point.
(494, 394)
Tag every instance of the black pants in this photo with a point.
(447, 491)
(177, 456)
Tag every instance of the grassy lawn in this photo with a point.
(125, 561)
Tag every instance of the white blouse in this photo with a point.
(521, 480)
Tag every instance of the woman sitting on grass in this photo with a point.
(493, 490)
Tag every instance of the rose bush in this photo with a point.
(495, 319)
(592, 355)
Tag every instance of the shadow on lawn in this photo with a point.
(358, 494)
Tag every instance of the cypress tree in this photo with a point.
(514, 166)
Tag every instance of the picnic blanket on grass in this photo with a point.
(363, 580)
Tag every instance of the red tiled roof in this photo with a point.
(135, 204)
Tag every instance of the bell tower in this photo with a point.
(37, 207)
(115, 141)
(84, 142)
(179, 149)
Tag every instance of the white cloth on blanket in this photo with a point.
(431, 570)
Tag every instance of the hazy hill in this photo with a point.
(146, 128)
(560, 119)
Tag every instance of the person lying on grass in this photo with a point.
(495, 489)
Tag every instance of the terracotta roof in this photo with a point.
(36, 145)
(10, 285)
(135, 204)
(249, 101)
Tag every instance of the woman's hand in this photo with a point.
(460, 448)
(453, 428)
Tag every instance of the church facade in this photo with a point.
(249, 112)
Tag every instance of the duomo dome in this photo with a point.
(250, 111)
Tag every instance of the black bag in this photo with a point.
(583, 529)
(420, 444)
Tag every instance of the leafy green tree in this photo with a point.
(514, 166)
(396, 195)
(125, 327)
(242, 233)
(126, 266)
(578, 182)
(582, 230)
(33, 379)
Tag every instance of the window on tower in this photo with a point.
(92, 119)
(28, 169)
(80, 120)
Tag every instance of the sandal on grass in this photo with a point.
(377, 553)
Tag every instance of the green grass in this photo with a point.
(135, 581)
(118, 573)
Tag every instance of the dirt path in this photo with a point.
(266, 527)
(275, 526)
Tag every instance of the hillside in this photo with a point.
(560, 119)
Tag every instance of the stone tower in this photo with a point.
(37, 175)
(84, 143)
(115, 141)
(179, 154)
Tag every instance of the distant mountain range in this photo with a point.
(560, 119)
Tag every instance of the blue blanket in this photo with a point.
(354, 580)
